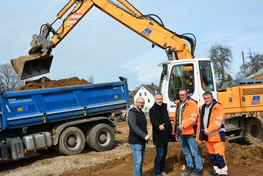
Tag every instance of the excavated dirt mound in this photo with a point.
(45, 82)
(242, 160)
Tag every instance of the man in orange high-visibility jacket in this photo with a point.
(211, 130)
(185, 126)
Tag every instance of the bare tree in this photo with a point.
(136, 88)
(252, 64)
(222, 59)
(8, 78)
(229, 78)
(91, 80)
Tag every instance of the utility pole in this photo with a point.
(243, 58)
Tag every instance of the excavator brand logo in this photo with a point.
(255, 100)
(146, 32)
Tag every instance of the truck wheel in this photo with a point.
(101, 138)
(253, 131)
(71, 141)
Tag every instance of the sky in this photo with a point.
(101, 47)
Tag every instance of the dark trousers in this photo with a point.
(159, 163)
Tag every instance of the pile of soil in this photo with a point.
(45, 82)
(242, 160)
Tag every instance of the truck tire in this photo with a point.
(100, 138)
(253, 131)
(71, 141)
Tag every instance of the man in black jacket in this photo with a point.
(138, 135)
(162, 132)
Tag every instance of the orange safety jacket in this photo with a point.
(189, 118)
(215, 126)
(202, 79)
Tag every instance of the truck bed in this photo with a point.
(33, 107)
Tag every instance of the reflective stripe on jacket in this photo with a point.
(189, 117)
(215, 124)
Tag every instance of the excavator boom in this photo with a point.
(39, 60)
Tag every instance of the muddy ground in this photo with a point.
(243, 160)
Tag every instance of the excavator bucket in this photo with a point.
(31, 65)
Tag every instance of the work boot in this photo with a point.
(196, 173)
(189, 172)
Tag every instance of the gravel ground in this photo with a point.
(243, 160)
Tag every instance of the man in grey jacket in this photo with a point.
(138, 135)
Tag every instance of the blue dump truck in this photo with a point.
(65, 118)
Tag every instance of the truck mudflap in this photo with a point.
(16, 146)
(4, 151)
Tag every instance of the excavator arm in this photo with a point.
(39, 60)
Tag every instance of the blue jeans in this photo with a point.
(159, 163)
(138, 151)
(190, 150)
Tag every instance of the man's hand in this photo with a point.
(206, 132)
(147, 137)
(161, 127)
(180, 127)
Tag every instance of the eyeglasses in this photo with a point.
(181, 95)
(140, 102)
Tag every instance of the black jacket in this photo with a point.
(158, 116)
(138, 127)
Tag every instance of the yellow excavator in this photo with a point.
(242, 99)
(39, 60)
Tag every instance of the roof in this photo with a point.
(152, 88)
(258, 73)
(239, 82)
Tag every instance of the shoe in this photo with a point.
(197, 174)
(189, 172)
(163, 174)
(222, 175)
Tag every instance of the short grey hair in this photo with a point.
(158, 94)
(208, 93)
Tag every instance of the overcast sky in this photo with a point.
(102, 48)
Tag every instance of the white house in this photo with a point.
(147, 92)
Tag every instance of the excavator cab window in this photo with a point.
(181, 77)
(206, 76)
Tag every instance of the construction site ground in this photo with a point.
(242, 160)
